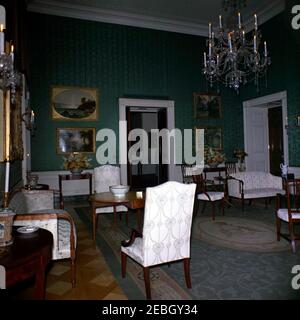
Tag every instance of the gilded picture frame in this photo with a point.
(74, 103)
(213, 137)
(70, 140)
(207, 105)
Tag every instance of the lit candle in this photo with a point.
(209, 30)
(12, 53)
(239, 17)
(229, 42)
(217, 59)
(255, 21)
(254, 44)
(205, 59)
(220, 21)
(7, 169)
(1, 39)
(209, 52)
(32, 118)
(266, 51)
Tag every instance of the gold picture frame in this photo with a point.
(207, 105)
(213, 137)
(74, 103)
(70, 140)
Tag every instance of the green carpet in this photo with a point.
(219, 270)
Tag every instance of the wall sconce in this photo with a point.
(29, 118)
(297, 123)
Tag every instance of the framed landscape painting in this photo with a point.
(74, 104)
(213, 138)
(70, 140)
(207, 106)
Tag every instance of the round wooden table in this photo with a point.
(28, 256)
(106, 199)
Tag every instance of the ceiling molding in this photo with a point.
(137, 20)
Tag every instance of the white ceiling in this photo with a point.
(184, 16)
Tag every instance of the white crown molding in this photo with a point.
(137, 20)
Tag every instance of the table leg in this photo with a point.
(40, 284)
(94, 218)
(138, 219)
(115, 216)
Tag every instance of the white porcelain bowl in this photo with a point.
(119, 190)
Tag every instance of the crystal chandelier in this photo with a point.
(232, 59)
(9, 78)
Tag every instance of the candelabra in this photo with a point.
(232, 59)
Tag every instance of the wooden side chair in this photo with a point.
(230, 167)
(289, 214)
(207, 196)
(166, 232)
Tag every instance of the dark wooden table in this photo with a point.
(68, 177)
(28, 257)
(130, 200)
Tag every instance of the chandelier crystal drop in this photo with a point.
(234, 57)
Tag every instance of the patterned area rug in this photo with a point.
(239, 233)
(109, 238)
(218, 272)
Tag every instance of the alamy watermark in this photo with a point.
(164, 146)
(296, 19)
(296, 279)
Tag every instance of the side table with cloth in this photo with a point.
(36, 208)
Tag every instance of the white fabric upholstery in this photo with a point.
(256, 185)
(42, 201)
(213, 196)
(283, 215)
(167, 225)
(106, 176)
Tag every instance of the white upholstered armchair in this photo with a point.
(36, 208)
(106, 176)
(166, 230)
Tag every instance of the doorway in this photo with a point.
(141, 176)
(174, 172)
(265, 134)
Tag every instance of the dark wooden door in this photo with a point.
(163, 168)
(275, 139)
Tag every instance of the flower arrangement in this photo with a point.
(213, 157)
(76, 161)
(239, 153)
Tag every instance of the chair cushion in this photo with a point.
(214, 196)
(283, 215)
(262, 193)
(135, 251)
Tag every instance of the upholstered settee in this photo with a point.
(252, 185)
(36, 208)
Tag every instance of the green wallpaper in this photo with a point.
(122, 61)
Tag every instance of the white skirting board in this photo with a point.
(69, 188)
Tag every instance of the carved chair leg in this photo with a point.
(123, 263)
(278, 227)
(223, 205)
(73, 272)
(204, 206)
(147, 282)
(186, 264)
(291, 230)
(213, 210)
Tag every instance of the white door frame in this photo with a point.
(148, 103)
(263, 101)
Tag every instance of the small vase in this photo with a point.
(76, 171)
